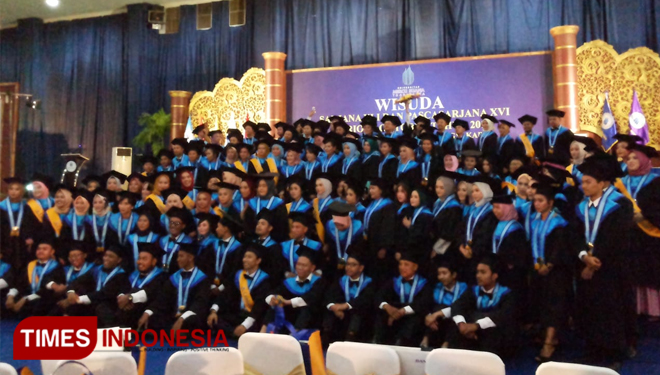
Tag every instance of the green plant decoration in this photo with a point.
(155, 127)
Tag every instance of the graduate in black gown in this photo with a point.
(370, 158)
(332, 160)
(349, 302)
(267, 199)
(242, 306)
(31, 295)
(445, 138)
(447, 215)
(408, 168)
(551, 282)
(506, 145)
(558, 138)
(351, 166)
(403, 302)
(53, 225)
(17, 224)
(485, 313)
(379, 230)
(295, 304)
(178, 220)
(530, 144)
(417, 221)
(185, 299)
(342, 233)
(388, 163)
(146, 284)
(222, 259)
(283, 265)
(462, 141)
(487, 142)
(79, 265)
(603, 294)
(447, 290)
(95, 293)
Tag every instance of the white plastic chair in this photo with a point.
(463, 362)
(413, 360)
(7, 369)
(270, 354)
(215, 361)
(103, 363)
(559, 368)
(350, 358)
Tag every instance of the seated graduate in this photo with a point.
(206, 227)
(204, 202)
(242, 305)
(54, 218)
(266, 199)
(221, 260)
(439, 326)
(123, 223)
(349, 302)
(7, 278)
(33, 283)
(485, 313)
(298, 298)
(146, 283)
(226, 206)
(145, 231)
(78, 266)
(95, 293)
(185, 299)
(404, 302)
(462, 141)
(342, 232)
(284, 265)
(178, 220)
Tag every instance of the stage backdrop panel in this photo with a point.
(505, 86)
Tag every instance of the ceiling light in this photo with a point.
(53, 3)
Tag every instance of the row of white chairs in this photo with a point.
(269, 354)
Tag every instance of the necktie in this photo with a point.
(186, 274)
(353, 283)
(301, 283)
(484, 294)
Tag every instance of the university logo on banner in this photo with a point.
(637, 120)
(408, 78)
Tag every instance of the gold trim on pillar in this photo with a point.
(179, 106)
(566, 29)
(180, 94)
(564, 65)
(566, 84)
(274, 55)
(565, 47)
(274, 70)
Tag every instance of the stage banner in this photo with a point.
(504, 86)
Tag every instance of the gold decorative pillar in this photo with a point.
(179, 110)
(565, 73)
(275, 87)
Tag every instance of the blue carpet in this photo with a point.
(646, 362)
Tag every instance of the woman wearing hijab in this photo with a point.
(174, 198)
(578, 154)
(417, 220)
(266, 198)
(321, 204)
(450, 162)
(351, 165)
(76, 227)
(370, 158)
(402, 200)
(476, 230)
(231, 156)
(99, 221)
(145, 231)
(54, 219)
(552, 263)
(246, 190)
(40, 200)
(447, 213)
(114, 181)
(155, 202)
(277, 153)
(642, 187)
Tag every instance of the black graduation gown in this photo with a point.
(152, 288)
(212, 256)
(54, 232)
(333, 267)
(447, 147)
(408, 330)
(418, 235)
(514, 253)
(354, 326)
(333, 169)
(280, 224)
(229, 302)
(603, 303)
(489, 145)
(412, 175)
(67, 237)
(442, 300)
(301, 317)
(388, 170)
(40, 306)
(644, 248)
(506, 152)
(467, 142)
(482, 243)
(354, 171)
(538, 144)
(370, 168)
(14, 250)
(380, 234)
(167, 308)
(444, 226)
(500, 339)
(561, 150)
(103, 301)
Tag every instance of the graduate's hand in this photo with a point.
(312, 112)
(339, 314)
(587, 273)
(19, 305)
(434, 326)
(390, 310)
(212, 319)
(544, 270)
(592, 262)
(429, 320)
(400, 313)
(382, 253)
(468, 330)
(390, 321)
(9, 304)
(286, 302)
(274, 301)
(64, 303)
(73, 298)
(215, 292)
(122, 301)
(177, 325)
(238, 331)
(407, 222)
(467, 252)
(62, 261)
(334, 308)
(143, 322)
(59, 288)
(344, 306)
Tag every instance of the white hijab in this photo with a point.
(486, 191)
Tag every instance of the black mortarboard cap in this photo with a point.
(180, 142)
(333, 138)
(322, 126)
(589, 143)
(357, 252)
(13, 180)
(355, 142)
(226, 185)
(649, 151)
(555, 113)
(489, 117)
(241, 145)
(137, 175)
(300, 217)
(344, 125)
(428, 136)
(195, 146)
(314, 149)
(495, 185)
(235, 133)
(257, 249)
(115, 249)
(84, 193)
(338, 208)
(503, 199)
(602, 167)
(76, 245)
(120, 176)
(179, 213)
(90, 178)
(214, 132)
(189, 248)
(151, 248)
(336, 117)
(424, 121)
(408, 142)
(369, 120)
(294, 146)
(176, 191)
(263, 127)
(393, 119)
(410, 257)
(507, 123)
(462, 123)
(628, 138)
(492, 261)
(266, 214)
(59, 187)
(250, 124)
(148, 158)
(165, 152)
(198, 129)
(528, 118)
(217, 149)
(211, 218)
(443, 116)
(312, 255)
(474, 153)
(229, 222)
(382, 184)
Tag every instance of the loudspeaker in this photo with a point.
(157, 17)
(122, 159)
(204, 16)
(236, 13)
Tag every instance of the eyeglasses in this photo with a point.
(175, 223)
(352, 264)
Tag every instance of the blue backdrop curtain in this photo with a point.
(96, 76)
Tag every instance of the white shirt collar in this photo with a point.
(308, 277)
(490, 291)
(595, 203)
(450, 289)
(356, 279)
(190, 270)
(253, 273)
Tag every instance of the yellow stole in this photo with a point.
(319, 225)
(218, 211)
(55, 220)
(509, 185)
(288, 208)
(239, 166)
(30, 270)
(529, 149)
(158, 202)
(257, 165)
(36, 209)
(259, 169)
(644, 225)
(245, 292)
(568, 179)
(189, 203)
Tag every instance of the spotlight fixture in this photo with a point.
(33, 104)
(53, 3)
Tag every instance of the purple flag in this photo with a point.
(637, 121)
(608, 125)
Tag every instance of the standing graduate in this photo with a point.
(185, 299)
(76, 225)
(462, 141)
(99, 222)
(284, 264)
(487, 142)
(390, 125)
(54, 218)
(342, 232)
(262, 162)
(603, 289)
(403, 302)
(349, 302)
(40, 200)
(445, 138)
(485, 313)
(417, 222)
(379, 229)
(266, 199)
(331, 161)
(31, 295)
(221, 259)
(146, 284)
(408, 168)
(352, 164)
(530, 144)
(295, 304)
(293, 167)
(311, 165)
(558, 138)
(388, 164)
(447, 214)
(370, 158)
(16, 224)
(295, 187)
(429, 160)
(506, 145)
(178, 220)
(155, 202)
(242, 306)
(98, 290)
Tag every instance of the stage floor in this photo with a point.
(646, 362)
